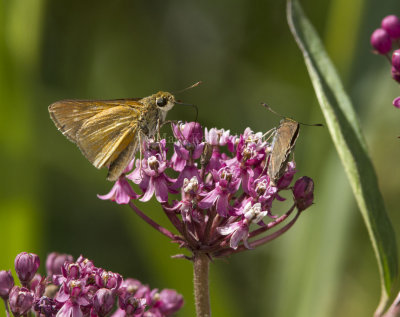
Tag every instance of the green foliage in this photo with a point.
(347, 136)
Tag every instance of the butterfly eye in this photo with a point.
(161, 102)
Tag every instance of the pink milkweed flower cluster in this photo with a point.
(214, 188)
(384, 40)
(79, 289)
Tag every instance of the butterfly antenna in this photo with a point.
(187, 104)
(192, 105)
(272, 110)
(190, 87)
(178, 102)
(279, 115)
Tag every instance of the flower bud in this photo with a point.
(131, 304)
(190, 132)
(380, 41)
(391, 24)
(396, 60)
(395, 74)
(110, 280)
(6, 283)
(254, 213)
(171, 301)
(396, 102)
(26, 266)
(303, 192)
(217, 136)
(55, 261)
(103, 301)
(71, 270)
(38, 285)
(191, 185)
(21, 300)
(130, 285)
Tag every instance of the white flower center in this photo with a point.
(191, 185)
(254, 214)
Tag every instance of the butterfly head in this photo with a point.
(164, 101)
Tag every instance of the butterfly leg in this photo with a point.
(140, 153)
(158, 127)
(266, 164)
(270, 132)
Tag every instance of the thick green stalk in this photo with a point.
(200, 283)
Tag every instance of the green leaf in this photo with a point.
(346, 134)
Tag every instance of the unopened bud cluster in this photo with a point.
(386, 39)
(77, 289)
(226, 194)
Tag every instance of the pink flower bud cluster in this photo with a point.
(226, 194)
(78, 289)
(384, 40)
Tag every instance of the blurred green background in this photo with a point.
(244, 54)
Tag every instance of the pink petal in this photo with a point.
(246, 243)
(144, 182)
(198, 151)
(149, 191)
(245, 180)
(119, 313)
(177, 162)
(122, 198)
(129, 167)
(109, 196)
(161, 189)
(209, 199)
(70, 310)
(240, 234)
(222, 205)
(188, 172)
(136, 175)
(121, 192)
(228, 229)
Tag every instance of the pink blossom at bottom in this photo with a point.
(70, 309)
(121, 192)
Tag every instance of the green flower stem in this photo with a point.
(7, 309)
(200, 283)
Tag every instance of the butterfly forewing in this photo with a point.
(70, 115)
(104, 136)
(282, 145)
